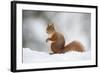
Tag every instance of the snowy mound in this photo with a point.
(30, 56)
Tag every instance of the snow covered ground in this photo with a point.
(30, 56)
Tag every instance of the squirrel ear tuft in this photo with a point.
(48, 24)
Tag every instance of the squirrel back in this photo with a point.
(58, 42)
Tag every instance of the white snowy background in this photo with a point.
(74, 26)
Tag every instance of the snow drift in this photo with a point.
(30, 56)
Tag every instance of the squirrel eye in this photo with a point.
(52, 24)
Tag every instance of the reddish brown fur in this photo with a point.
(58, 42)
(74, 46)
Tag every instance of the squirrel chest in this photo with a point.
(58, 42)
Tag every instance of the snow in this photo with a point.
(30, 56)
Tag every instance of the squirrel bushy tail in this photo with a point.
(74, 46)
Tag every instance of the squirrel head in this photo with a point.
(50, 28)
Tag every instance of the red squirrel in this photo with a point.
(58, 42)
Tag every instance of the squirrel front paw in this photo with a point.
(47, 40)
